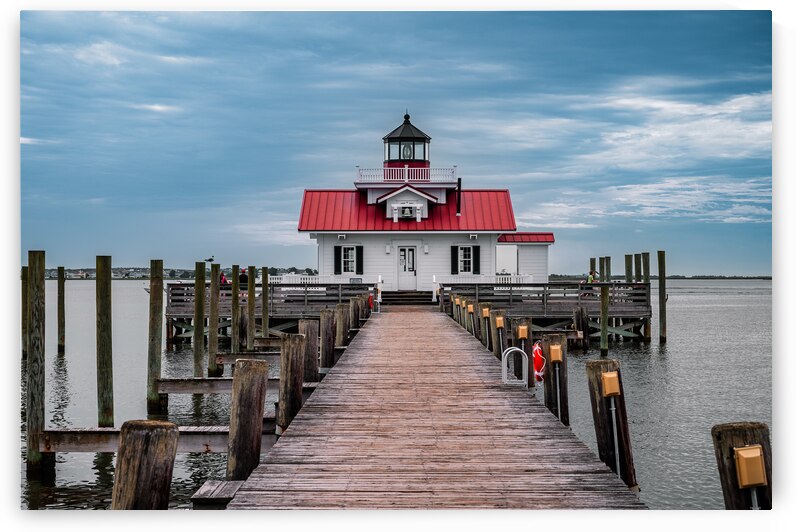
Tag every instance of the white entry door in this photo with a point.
(407, 271)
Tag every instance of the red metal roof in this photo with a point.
(527, 237)
(348, 210)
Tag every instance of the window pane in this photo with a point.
(349, 259)
(394, 150)
(465, 259)
(419, 150)
(406, 150)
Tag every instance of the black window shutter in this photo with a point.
(477, 260)
(454, 260)
(360, 256)
(338, 260)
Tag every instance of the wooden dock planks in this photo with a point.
(414, 415)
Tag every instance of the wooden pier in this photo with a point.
(415, 415)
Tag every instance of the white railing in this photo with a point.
(324, 279)
(483, 279)
(406, 175)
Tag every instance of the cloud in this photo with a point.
(282, 232)
(30, 141)
(103, 53)
(156, 107)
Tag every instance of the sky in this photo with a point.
(181, 135)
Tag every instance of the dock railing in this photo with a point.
(556, 299)
(288, 295)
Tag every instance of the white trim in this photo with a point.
(408, 188)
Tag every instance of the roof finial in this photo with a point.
(406, 116)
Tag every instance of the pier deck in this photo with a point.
(415, 415)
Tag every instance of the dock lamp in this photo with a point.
(750, 468)
(522, 335)
(556, 356)
(499, 325)
(471, 316)
(610, 381)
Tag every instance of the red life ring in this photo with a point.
(370, 301)
(538, 362)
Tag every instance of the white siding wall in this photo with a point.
(436, 262)
(532, 259)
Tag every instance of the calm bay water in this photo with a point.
(715, 368)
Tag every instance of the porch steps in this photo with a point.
(406, 297)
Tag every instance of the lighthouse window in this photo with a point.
(406, 150)
(349, 259)
(394, 150)
(465, 259)
(419, 149)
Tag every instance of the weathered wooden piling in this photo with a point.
(580, 319)
(24, 308)
(593, 264)
(61, 310)
(727, 438)
(249, 386)
(250, 299)
(155, 402)
(629, 268)
(327, 331)
(645, 277)
(603, 420)
(483, 319)
(199, 320)
(213, 369)
(266, 293)
(525, 344)
(309, 328)
(39, 464)
(498, 333)
(637, 261)
(353, 314)
(235, 321)
(662, 295)
(604, 295)
(556, 396)
(104, 343)
(291, 373)
(144, 465)
(608, 273)
(341, 320)
(602, 271)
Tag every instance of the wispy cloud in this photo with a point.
(156, 107)
(104, 53)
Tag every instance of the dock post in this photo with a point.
(498, 333)
(24, 309)
(199, 320)
(39, 465)
(607, 279)
(327, 338)
(637, 261)
(730, 436)
(155, 402)
(265, 296)
(353, 313)
(645, 277)
(525, 344)
(309, 328)
(628, 269)
(662, 296)
(341, 320)
(602, 275)
(61, 310)
(604, 427)
(556, 396)
(250, 315)
(604, 295)
(104, 343)
(249, 386)
(291, 376)
(484, 308)
(580, 319)
(592, 265)
(213, 369)
(144, 465)
(235, 324)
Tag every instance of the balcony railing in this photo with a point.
(406, 175)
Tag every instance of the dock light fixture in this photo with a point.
(484, 312)
(457, 301)
(522, 332)
(610, 382)
(470, 308)
(556, 355)
(750, 466)
(499, 322)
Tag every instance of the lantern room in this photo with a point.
(406, 146)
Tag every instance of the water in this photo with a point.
(715, 368)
